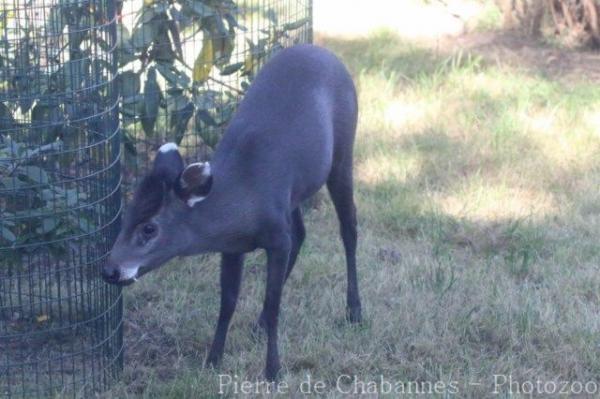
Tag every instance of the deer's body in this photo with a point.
(278, 150)
(292, 133)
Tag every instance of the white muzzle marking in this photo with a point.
(129, 273)
(194, 200)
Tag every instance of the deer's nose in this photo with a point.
(110, 274)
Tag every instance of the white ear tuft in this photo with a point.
(168, 147)
(206, 170)
(194, 183)
(195, 174)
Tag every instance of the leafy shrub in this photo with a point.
(162, 67)
(54, 69)
(188, 61)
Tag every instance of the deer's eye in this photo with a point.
(149, 230)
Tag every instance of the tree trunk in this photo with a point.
(524, 15)
(578, 21)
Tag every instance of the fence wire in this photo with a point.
(60, 325)
(187, 64)
(89, 89)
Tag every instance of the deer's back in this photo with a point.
(283, 136)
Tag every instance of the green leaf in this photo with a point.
(48, 195)
(223, 39)
(103, 65)
(56, 145)
(7, 121)
(132, 106)
(206, 99)
(55, 22)
(6, 221)
(162, 49)
(180, 110)
(223, 48)
(151, 102)
(226, 112)
(145, 15)
(210, 137)
(204, 116)
(7, 235)
(10, 183)
(143, 35)
(129, 144)
(11, 148)
(233, 22)
(176, 101)
(176, 38)
(125, 48)
(48, 225)
(134, 100)
(83, 224)
(72, 198)
(35, 174)
(74, 73)
(272, 16)
(86, 226)
(296, 25)
(21, 78)
(200, 9)
(172, 75)
(129, 84)
(47, 121)
(231, 68)
(205, 61)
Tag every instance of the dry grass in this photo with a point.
(479, 202)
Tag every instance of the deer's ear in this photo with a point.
(168, 164)
(194, 183)
(148, 197)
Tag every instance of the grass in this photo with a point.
(477, 187)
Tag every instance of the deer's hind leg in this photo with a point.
(341, 189)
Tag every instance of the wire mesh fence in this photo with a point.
(60, 325)
(89, 89)
(185, 64)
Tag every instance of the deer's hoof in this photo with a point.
(354, 315)
(212, 361)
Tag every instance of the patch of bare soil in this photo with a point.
(511, 49)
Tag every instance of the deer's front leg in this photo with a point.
(277, 260)
(231, 276)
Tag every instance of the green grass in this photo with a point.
(490, 18)
(477, 188)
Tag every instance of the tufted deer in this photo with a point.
(292, 133)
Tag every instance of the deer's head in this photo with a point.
(156, 224)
